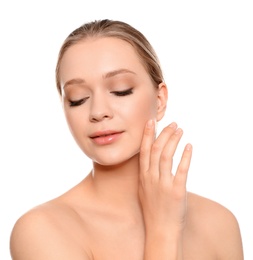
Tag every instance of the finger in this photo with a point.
(166, 160)
(146, 144)
(183, 167)
(159, 145)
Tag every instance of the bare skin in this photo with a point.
(131, 205)
(97, 220)
(78, 225)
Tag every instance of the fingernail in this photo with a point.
(188, 147)
(173, 125)
(178, 131)
(150, 123)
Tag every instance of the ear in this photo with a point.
(162, 97)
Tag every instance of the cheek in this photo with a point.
(146, 108)
(74, 121)
(140, 111)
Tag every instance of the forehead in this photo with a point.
(96, 56)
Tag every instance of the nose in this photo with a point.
(100, 108)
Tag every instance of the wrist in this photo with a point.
(161, 230)
(163, 245)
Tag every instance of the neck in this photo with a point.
(118, 184)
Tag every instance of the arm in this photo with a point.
(227, 236)
(37, 236)
(162, 194)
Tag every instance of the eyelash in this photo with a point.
(77, 102)
(116, 93)
(123, 93)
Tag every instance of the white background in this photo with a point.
(206, 50)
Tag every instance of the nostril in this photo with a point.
(99, 117)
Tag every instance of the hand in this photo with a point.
(163, 196)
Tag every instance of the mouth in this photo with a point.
(104, 133)
(105, 137)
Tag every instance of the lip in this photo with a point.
(105, 137)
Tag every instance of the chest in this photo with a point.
(124, 242)
(117, 241)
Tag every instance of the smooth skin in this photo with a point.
(131, 205)
(163, 195)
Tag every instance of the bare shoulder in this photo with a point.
(216, 225)
(47, 232)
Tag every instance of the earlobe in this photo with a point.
(162, 97)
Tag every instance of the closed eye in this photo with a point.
(74, 103)
(123, 93)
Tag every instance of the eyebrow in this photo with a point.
(106, 76)
(116, 72)
(73, 82)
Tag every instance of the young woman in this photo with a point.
(131, 205)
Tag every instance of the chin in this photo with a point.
(117, 160)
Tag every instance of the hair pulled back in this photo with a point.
(120, 30)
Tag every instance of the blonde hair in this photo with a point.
(120, 30)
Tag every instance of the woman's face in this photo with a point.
(107, 97)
